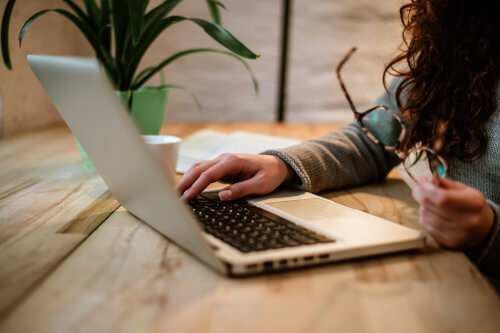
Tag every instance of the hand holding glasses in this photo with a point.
(385, 127)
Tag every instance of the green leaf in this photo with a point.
(214, 11)
(120, 19)
(220, 4)
(215, 31)
(135, 54)
(105, 26)
(4, 34)
(162, 78)
(159, 12)
(142, 75)
(193, 96)
(92, 10)
(136, 14)
(86, 30)
(27, 24)
(148, 73)
(80, 13)
(105, 11)
(225, 38)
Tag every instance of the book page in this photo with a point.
(200, 146)
(254, 143)
(205, 145)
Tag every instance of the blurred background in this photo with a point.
(320, 32)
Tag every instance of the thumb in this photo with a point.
(450, 184)
(242, 189)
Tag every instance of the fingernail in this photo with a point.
(184, 196)
(225, 195)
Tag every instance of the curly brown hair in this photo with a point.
(450, 75)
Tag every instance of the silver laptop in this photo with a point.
(284, 230)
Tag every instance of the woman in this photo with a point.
(452, 71)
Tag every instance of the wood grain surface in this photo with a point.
(72, 260)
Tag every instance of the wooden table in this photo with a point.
(71, 259)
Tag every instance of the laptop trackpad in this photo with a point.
(309, 209)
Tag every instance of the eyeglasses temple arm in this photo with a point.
(342, 86)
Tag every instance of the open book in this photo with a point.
(207, 144)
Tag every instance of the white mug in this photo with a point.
(165, 148)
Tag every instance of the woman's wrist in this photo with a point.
(285, 169)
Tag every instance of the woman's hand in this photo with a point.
(456, 215)
(250, 174)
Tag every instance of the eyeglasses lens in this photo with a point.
(384, 127)
(424, 162)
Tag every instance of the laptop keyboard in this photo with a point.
(249, 228)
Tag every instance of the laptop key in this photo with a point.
(273, 243)
(289, 241)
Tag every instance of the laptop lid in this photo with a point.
(84, 97)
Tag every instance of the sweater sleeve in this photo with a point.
(487, 255)
(338, 159)
(341, 158)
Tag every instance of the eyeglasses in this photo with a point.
(386, 128)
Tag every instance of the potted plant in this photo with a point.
(120, 32)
